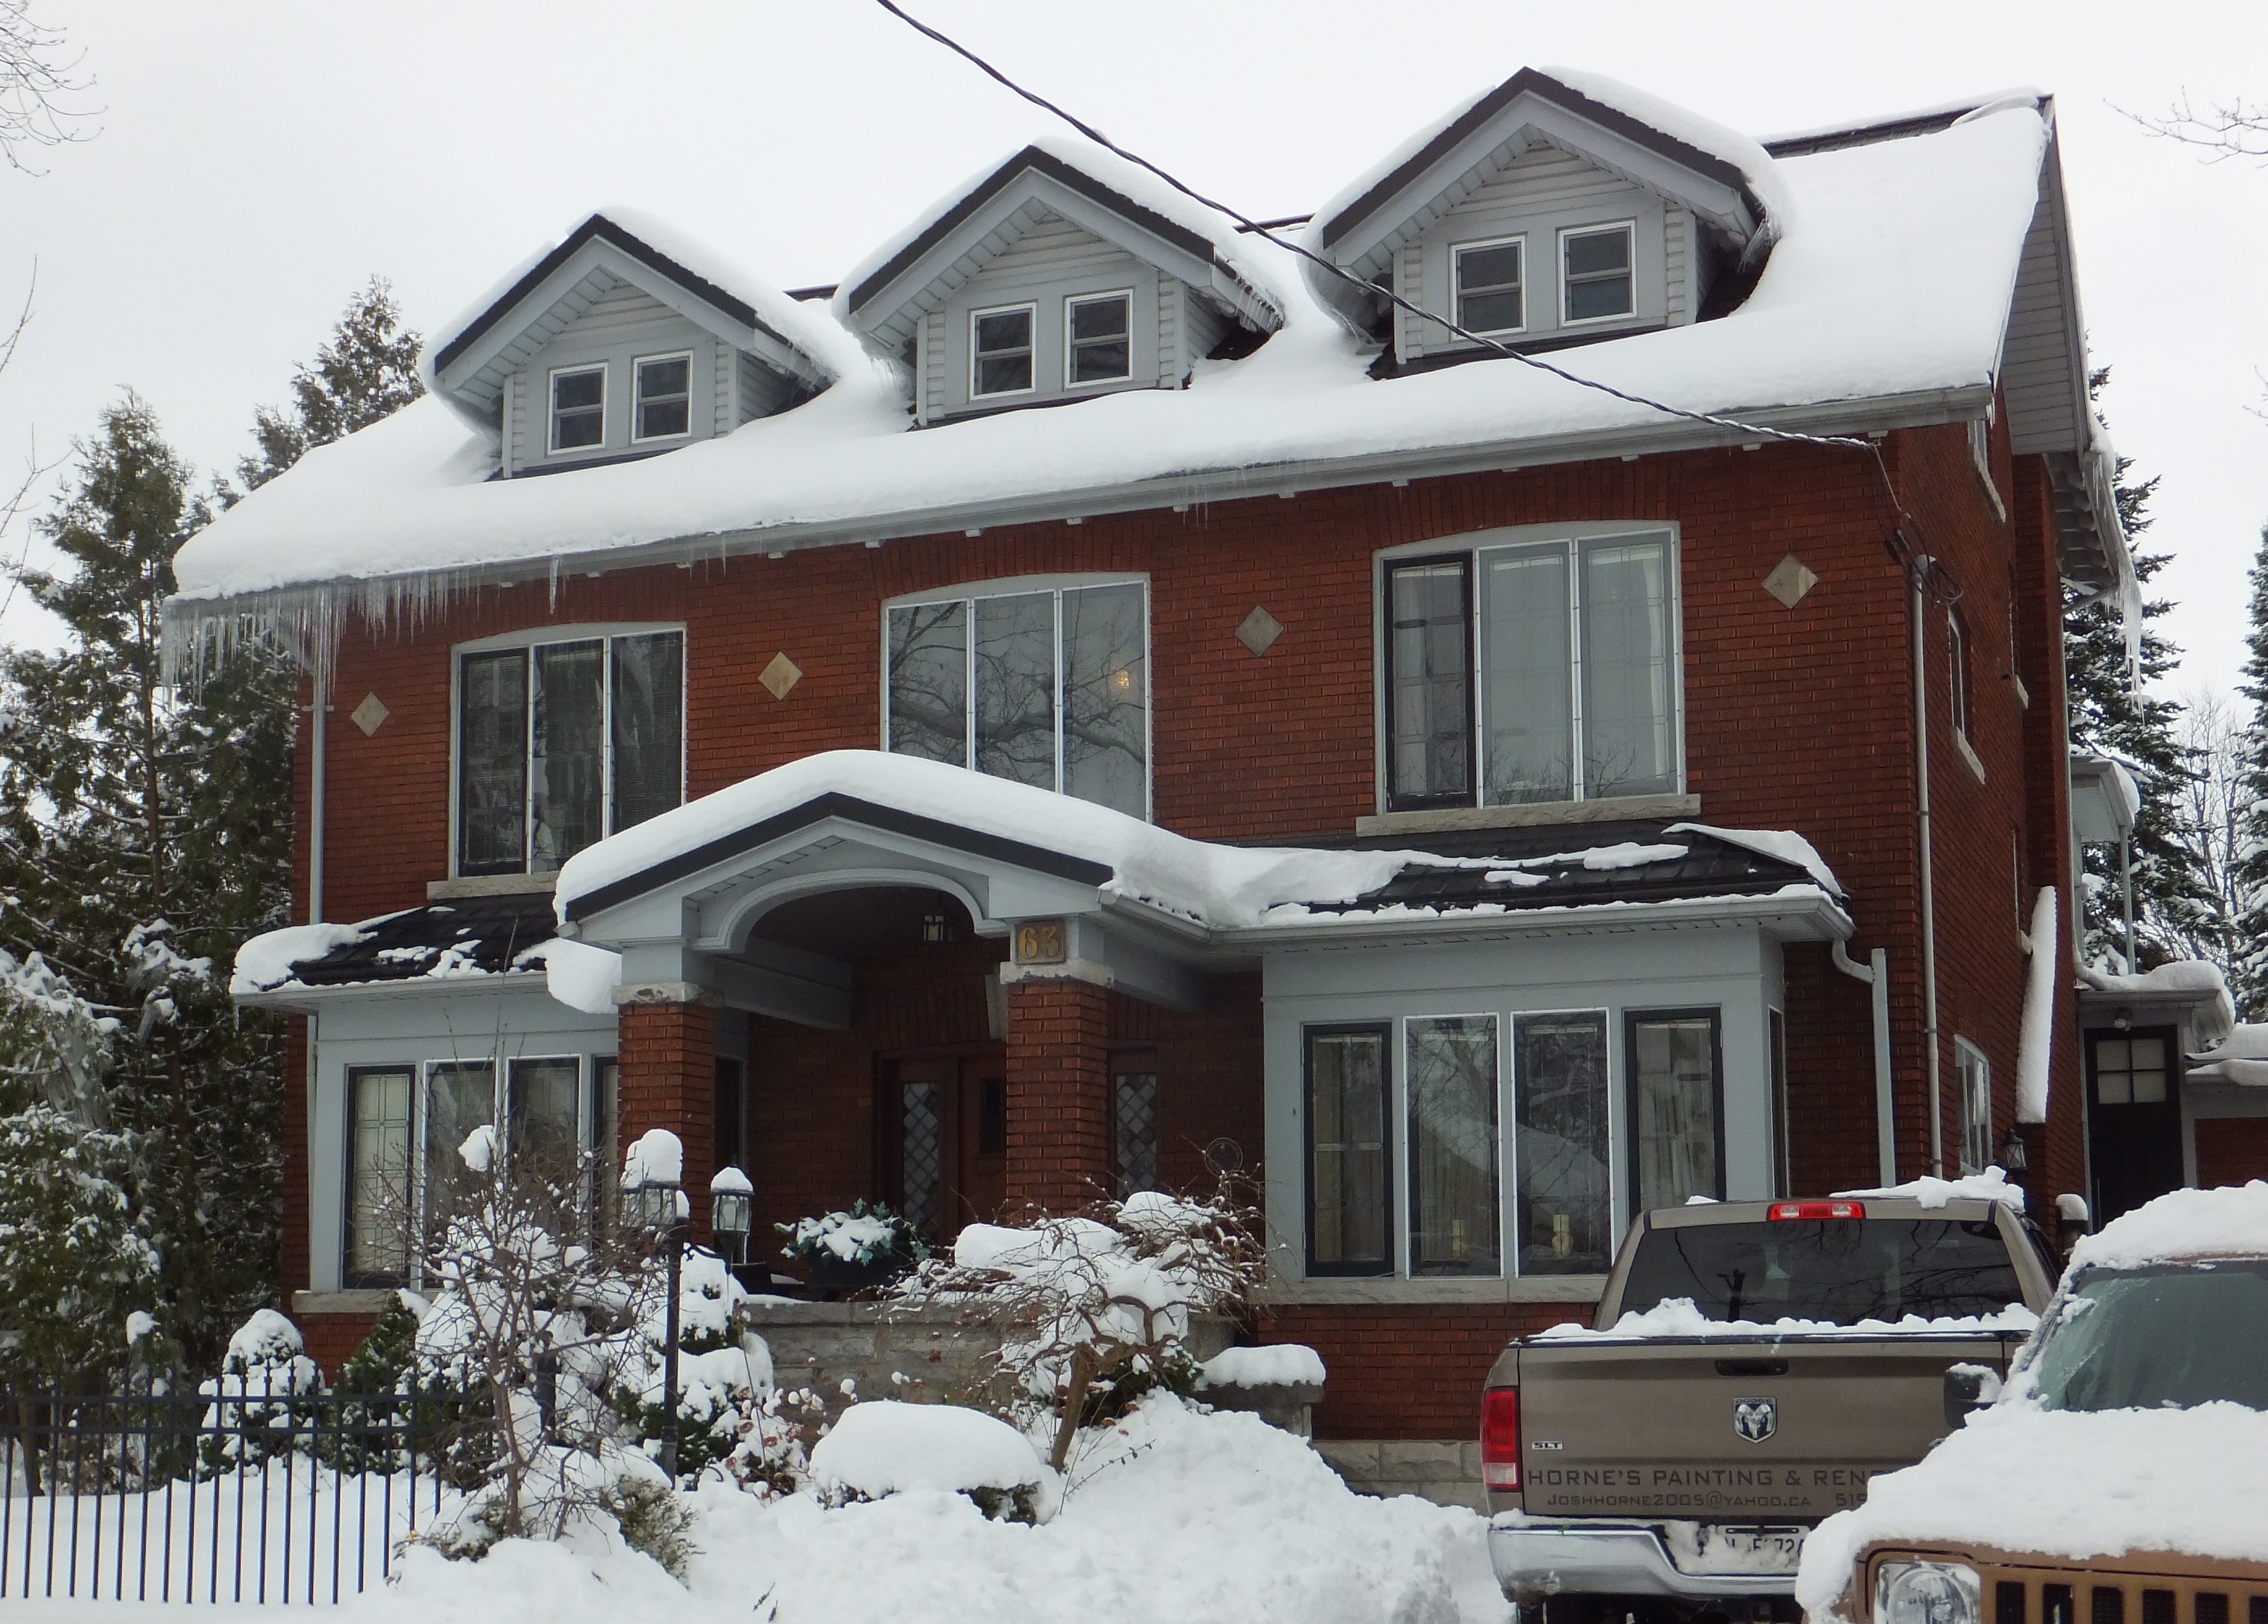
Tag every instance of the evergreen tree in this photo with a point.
(2113, 713)
(145, 831)
(2251, 795)
(367, 372)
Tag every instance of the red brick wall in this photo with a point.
(668, 1079)
(2231, 1150)
(1409, 1372)
(332, 1339)
(1058, 1093)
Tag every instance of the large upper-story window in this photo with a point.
(1048, 686)
(1533, 670)
(561, 744)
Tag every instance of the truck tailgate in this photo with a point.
(1726, 1430)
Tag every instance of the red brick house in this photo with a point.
(1478, 805)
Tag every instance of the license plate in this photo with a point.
(1749, 1550)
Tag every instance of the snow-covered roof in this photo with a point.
(1885, 301)
(2242, 1058)
(2228, 1222)
(1112, 198)
(2189, 989)
(465, 358)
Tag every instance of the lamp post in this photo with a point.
(731, 1196)
(653, 1198)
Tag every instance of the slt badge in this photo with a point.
(1756, 1419)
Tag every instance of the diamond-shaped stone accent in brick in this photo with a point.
(780, 676)
(1790, 582)
(1259, 630)
(371, 715)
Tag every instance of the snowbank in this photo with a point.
(1991, 1185)
(885, 1447)
(2229, 1222)
(2065, 1484)
(1676, 1317)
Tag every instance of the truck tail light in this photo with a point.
(1500, 1438)
(1782, 1210)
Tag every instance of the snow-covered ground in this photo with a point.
(1177, 1517)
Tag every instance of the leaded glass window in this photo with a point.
(1676, 1109)
(1561, 1143)
(1349, 1102)
(1452, 1081)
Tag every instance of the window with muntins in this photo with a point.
(1134, 1127)
(1099, 340)
(664, 398)
(1974, 1073)
(579, 408)
(1450, 1068)
(1491, 297)
(561, 744)
(1349, 1106)
(1000, 350)
(1595, 273)
(1048, 687)
(1676, 1107)
(377, 1197)
(1560, 683)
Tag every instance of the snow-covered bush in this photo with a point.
(723, 1368)
(884, 1447)
(255, 1408)
(76, 1254)
(864, 1236)
(1093, 1309)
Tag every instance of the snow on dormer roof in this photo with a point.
(1095, 189)
(466, 358)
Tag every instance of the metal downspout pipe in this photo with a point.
(319, 715)
(1916, 572)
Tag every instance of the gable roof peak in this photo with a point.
(1092, 188)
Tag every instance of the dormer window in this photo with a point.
(1490, 294)
(664, 397)
(1000, 351)
(1595, 274)
(578, 408)
(1098, 339)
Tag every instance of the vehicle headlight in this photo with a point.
(1918, 1593)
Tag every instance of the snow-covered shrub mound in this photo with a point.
(885, 1447)
(1278, 1365)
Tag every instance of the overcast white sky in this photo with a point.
(254, 162)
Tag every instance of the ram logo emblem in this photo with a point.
(1756, 1419)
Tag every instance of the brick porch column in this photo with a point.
(667, 1076)
(1058, 1093)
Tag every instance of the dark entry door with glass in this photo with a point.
(949, 1139)
(2133, 1117)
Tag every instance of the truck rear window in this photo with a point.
(1841, 1270)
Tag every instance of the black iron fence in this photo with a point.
(222, 1495)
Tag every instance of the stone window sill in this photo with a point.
(1967, 751)
(1604, 810)
(356, 1302)
(491, 885)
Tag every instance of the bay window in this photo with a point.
(1677, 1108)
(1048, 687)
(1561, 1143)
(560, 744)
(1532, 671)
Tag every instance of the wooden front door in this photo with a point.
(2133, 1117)
(948, 1134)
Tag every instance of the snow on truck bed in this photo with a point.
(1677, 1318)
(1892, 277)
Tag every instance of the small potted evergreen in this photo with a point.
(857, 1250)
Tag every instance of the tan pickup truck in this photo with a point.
(1756, 1363)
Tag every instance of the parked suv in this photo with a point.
(1757, 1363)
(2122, 1475)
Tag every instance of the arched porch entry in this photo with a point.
(940, 1016)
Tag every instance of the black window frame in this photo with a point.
(1714, 1014)
(460, 807)
(1389, 1226)
(352, 1278)
(1389, 569)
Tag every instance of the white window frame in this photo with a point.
(1124, 296)
(638, 364)
(531, 640)
(1474, 543)
(1024, 586)
(1629, 228)
(1457, 251)
(1031, 309)
(552, 407)
(1973, 1071)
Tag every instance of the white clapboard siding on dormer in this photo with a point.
(1535, 194)
(1035, 256)
(1204, 326)
(616, 324)
(2035, 362)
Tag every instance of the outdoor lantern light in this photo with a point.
(730, 1194)
(2012, 1154)
(653, 1198)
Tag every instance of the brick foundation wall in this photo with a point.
(332, 1339)
(2231, 1150)
(1408, 1371)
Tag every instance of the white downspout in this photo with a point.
(321, 714)
(1875, 973)
(1915, 574)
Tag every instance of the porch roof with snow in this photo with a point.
(685, 898)
(1911, 270)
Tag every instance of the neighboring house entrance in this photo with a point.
(949, 1137)
(2133, 1117)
